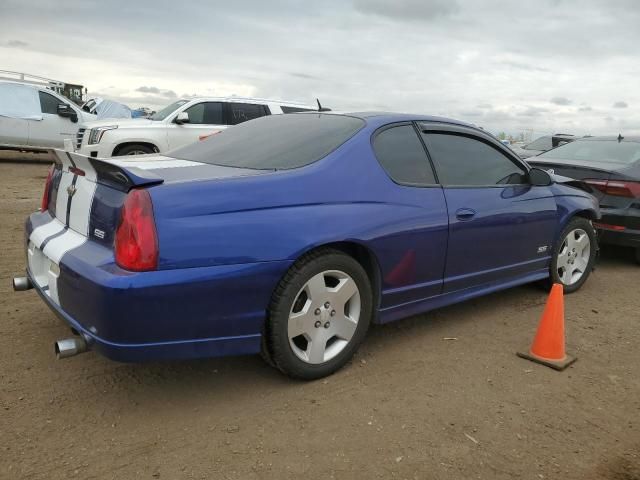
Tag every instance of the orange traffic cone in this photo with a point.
(548, 345)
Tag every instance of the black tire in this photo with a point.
(134, 149)
(279, 350)
(573, 225)
(638, 255)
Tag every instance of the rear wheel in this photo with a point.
(319, 314)
(574, 255)
(135, 149)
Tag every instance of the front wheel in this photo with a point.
(574, 255)
(319, 314)
(134, 149)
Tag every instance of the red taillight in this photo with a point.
(47, 190)
(136, 244)
(617, 188)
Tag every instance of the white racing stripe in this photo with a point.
(83, 188)
(63, 237)
(62, 199)
(57, 247)
(40, 234)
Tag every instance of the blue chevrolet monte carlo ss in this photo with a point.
(290, 234)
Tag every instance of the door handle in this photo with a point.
(465, 214)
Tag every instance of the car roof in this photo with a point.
(234, 98)
(610, 138)
(391, 117)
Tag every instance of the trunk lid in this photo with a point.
(87, 194)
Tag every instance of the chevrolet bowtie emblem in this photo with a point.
(71, 190)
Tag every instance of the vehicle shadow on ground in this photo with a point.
(227, 376)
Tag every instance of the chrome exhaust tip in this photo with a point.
(70, 346)
(20, 284)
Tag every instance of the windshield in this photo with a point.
(542, 143)
(275, 142)
(168, 110)
(597, 151)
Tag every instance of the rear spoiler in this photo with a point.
(104, 172)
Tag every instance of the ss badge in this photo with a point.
(542, 249)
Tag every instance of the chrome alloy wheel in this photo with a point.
(324, 316)
(573, 257)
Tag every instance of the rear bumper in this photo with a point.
(139, 352)
(625, 238)
(619, 227)
(164, 314)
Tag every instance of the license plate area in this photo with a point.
(44, 272)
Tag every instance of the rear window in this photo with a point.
(597, 151)
(542, 143)
(276, 142)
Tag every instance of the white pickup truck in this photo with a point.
(183, 122)
(35, 116)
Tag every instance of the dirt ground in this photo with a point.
(440, 396)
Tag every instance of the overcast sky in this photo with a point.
(550, 65)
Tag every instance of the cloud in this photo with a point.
(561, 101)
(148, 89)
(157, 91)
(408, 10)
(586, 108)
(533, 111)
(460, 59)
(17, 44)
(620, 104)
(304, 76)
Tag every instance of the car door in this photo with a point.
(500, 226)
(413, 259)
(52, 129)
(205, 118)
(14, 131)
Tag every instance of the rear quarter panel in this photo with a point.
(346, 197)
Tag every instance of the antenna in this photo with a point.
(321, 108)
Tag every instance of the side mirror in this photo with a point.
(539, 177)
(182, 117)
(66, 111)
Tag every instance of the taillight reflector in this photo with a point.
(606, 226)
(47, 190)
(136, 241)
(616, 188)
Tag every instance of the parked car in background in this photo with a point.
(542, 144)
(291, 234)
(35, 116)
(182, 122)
(611, 166)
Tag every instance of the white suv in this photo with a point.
(181, 123)
(34, 116)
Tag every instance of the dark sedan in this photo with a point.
(611, 166)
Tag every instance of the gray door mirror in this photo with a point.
(182, 117)
(66, 111)
(539, 177)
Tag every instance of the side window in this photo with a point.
(205, 113)
(402, 155)
(241, 112)
(48, 103)
(465, 161)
